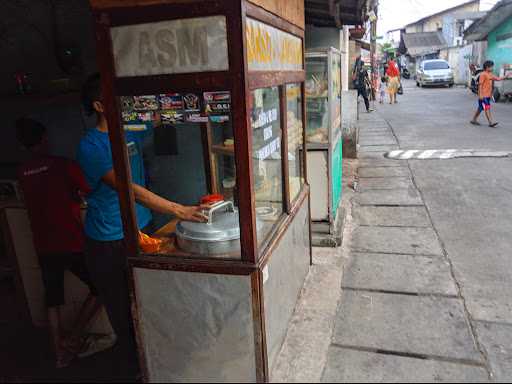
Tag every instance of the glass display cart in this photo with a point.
(211, 95)
(323, 136)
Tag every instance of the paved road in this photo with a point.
(425, 293)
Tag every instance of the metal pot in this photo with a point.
(219, 237)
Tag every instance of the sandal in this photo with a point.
(493, 125)
(475, 122)
(96, 343)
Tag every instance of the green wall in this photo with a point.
(500, 51)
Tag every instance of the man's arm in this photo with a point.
(157, 203)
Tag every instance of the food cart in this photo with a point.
(323, 137)
(216, 91)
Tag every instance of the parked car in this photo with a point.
(434, 72)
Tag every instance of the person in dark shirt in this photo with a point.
(361, 81)
(52, 188)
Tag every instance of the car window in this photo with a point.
(436, 65)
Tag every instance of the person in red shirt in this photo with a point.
(52, 188)
(393, 74)
(485, 90)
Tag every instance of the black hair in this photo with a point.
(91, 92)
(488, 64)
(383, 79)
(29, 132)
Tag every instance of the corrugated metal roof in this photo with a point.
(423, 43)
(494, 18)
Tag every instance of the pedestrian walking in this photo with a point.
(485, 88)
(362, 82)
(393, 74)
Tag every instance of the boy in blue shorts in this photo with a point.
(485, 89)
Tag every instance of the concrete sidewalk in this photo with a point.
(386, 306)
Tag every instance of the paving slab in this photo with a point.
(413, 241)
(391, 216)
(350, 366)
(400, 273)
(425, 325)
(496, 339)
(378, 148)
(367, 142)
(385, 183)
(382, 163)
(384, 171)
(404, 197)
(371, 155)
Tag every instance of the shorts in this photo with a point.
(484, 104)
(53, 267)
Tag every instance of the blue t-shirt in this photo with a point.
(103, 220)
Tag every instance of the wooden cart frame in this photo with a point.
(240, 82)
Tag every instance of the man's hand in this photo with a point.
(191, 213)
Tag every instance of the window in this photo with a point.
(433, 65)
(267, 162)
(181, 147)
(295, 139)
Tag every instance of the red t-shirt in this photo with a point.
(51, 188)
(393, 70)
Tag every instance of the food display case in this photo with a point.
(210, 94)
(323, 136)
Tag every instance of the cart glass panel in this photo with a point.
(267, 162)
(336, 96)
(181, 147)
(295, 139)
(317, 96)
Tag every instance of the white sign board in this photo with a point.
(270, 49)
(173, 46)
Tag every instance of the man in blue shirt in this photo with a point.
(104, 246)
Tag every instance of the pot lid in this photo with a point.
(223, 225)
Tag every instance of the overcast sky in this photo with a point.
(398, 13)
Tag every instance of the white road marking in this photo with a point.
(427, 154)
(443, 154)
(394, 153)
(447, 154)
(407, 155)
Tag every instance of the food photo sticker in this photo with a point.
(145, 103)
(171, 102)
(127, 103)
(171, 117)
(191, 102)
(129, 116)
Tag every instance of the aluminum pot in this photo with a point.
(219, 237)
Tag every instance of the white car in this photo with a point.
(434, 72)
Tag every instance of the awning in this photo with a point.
(336, 13)
(495, 17)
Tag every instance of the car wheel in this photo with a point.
(450, 85)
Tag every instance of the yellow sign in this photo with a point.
(270, 49)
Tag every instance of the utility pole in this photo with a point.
(373, 46)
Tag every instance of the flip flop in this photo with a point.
(96, 343)
(475, 122)
(493, 125)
